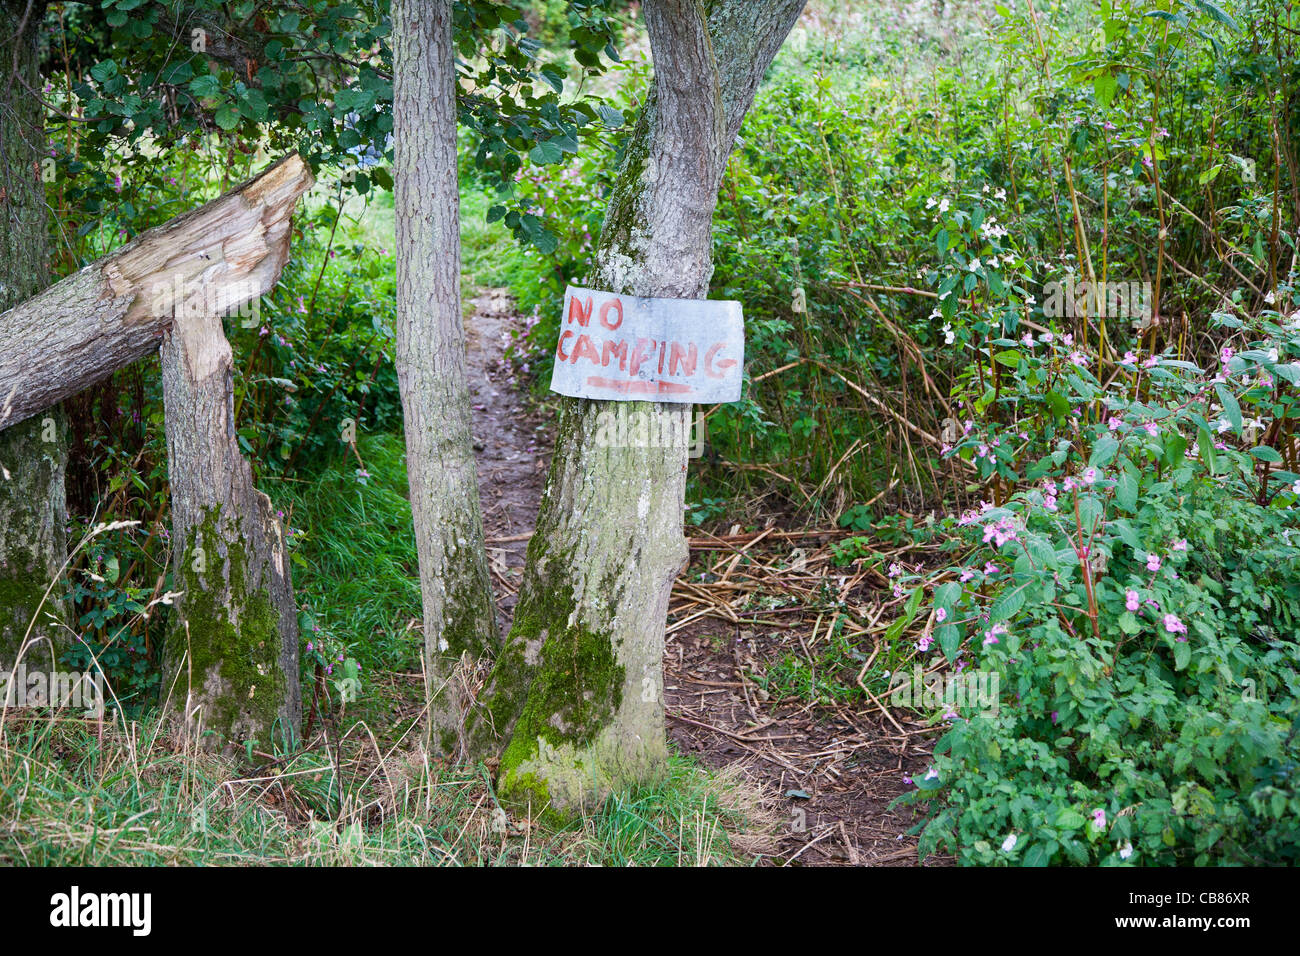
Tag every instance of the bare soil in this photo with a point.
(828, 771)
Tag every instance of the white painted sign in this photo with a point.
(630, 348)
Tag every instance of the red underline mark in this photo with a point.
(639, 388)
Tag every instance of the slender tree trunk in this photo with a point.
(230, 664)
(114, 311)
(33, 455)
(459, 613)
(578, 690)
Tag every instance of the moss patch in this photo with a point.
(233, 638)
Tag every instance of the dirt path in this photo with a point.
(511, 440)
(827, 772)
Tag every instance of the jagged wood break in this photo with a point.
(115, 310)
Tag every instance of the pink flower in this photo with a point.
(1151, 429)
(1173, 625)
(1132, 601)
(924, 643)
(1180, 544)
(1226, 354)
(966, 575)
(990, 568)
(1153, 563)
(1130, 358)
(941, 615)
(1099, 818)
(1113, 423)
(1089, 475)
(1049, 502)
(1152, 362)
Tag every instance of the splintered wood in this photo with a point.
(210, 261)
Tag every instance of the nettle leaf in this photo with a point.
(1265, 453)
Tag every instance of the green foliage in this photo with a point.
(1140, 606)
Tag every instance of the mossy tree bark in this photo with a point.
(33, 454)
(577, 693)
(230, 664)
(460, 627)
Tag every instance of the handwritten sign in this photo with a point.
(635, 349)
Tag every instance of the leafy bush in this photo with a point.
(1139, 604)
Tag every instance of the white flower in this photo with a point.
(1126, 850)
(931, 774)
(974, 264)
(947, 334)
(1009, 843)
(1000, 194)
(943, 205)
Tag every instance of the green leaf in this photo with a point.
(1265, 453)
(1036, 855)
(1010, 358)
(1007, 604)
(1230, 406)
(949, 636)
(104, 71)
(227, 117)
(909, 612)
(544, 154)
(1126, 491)
(1103, 451)
(1069, 819)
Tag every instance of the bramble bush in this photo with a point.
(1138, 595)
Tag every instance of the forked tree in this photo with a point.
(577, 693)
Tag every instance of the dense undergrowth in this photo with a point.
(1100, 491)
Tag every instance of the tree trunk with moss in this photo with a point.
(34, 453)
(230, 664)
(460, 627)
(577, 693)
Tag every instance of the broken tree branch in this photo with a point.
(212, 260)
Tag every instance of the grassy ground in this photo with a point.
(362, 791)
(74, 796)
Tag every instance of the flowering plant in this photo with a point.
(1137, 590)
